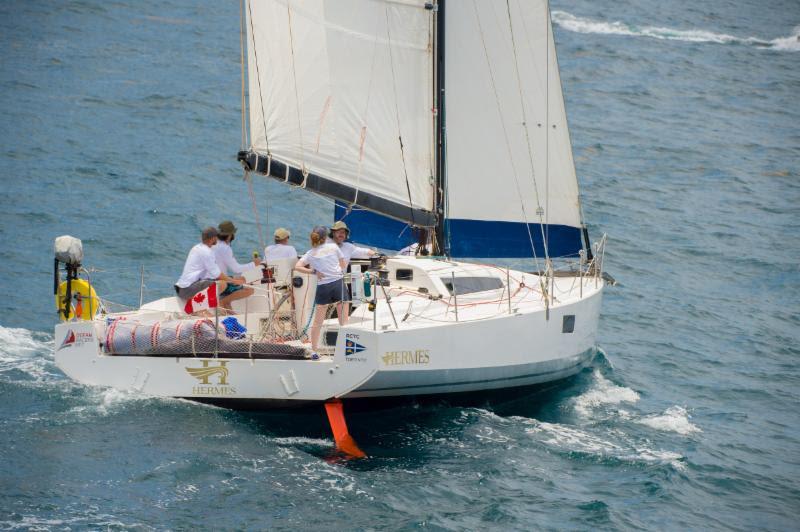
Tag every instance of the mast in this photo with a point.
(442, 246)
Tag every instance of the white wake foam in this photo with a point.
(674, 419)
(27, 351)
(570, 22)
(602, 392)
(571, 439)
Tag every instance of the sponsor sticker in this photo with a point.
(352, 348)
(73, 338)
(406, 357)
(213, 380)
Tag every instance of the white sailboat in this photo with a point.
(440, 126)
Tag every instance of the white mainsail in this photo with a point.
(343, 90)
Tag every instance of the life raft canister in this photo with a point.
(84, 302)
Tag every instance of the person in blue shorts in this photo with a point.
(327, 262)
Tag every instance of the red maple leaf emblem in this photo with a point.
(199, 298)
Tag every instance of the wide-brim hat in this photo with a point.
(282, 233)
(227, 228)
(340, 225)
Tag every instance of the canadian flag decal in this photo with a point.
(202, 300)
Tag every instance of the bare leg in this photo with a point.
(316, 327)
(343, 310)
(226, 301)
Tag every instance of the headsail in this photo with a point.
(340, 101)
(509, 157)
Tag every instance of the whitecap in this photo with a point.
(570, 439)
(570, 22)
(674, 419)
(603, 392)
(27, 351)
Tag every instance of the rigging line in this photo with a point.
(397, 114)
(296, 94)
(241, 63)
(505, 132)
(258, 76)
(527, 135)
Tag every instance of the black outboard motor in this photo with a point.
(67, 250)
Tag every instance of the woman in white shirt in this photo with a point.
(327, 262)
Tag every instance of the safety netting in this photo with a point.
(192, 337)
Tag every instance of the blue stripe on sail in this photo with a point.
(375, 229)
(468, 238)
(484, 239)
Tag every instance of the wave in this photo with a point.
(573, 440)
(674, 419)
(28, 352)
(603, 392)
(570, 22)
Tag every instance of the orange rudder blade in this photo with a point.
(344, 442)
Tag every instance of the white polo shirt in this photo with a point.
(279, 251)
(324, 259)
(200, 264)
(223, 254)
(351, 251)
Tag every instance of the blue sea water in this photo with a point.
(119, 124)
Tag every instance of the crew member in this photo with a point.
(339, 235)
(200, 270)
(281, 248)
(324, 259)
(223, 254)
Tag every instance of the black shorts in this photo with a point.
(330, 293)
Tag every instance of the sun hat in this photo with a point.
(227, 228)
(340, 225)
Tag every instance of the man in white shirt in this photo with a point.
(226, 262)
(281, 248)
(200, 270)
(339, 234)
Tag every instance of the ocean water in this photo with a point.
(119, 124)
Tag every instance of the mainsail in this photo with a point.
(343, 101)
(340, 101)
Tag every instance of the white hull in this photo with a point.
(496, 343)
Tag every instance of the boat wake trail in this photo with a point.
(615, 446)
(27, 355)
(570, 22)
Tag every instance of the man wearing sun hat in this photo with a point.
(339, 234)
(229, 265)
(281, 248)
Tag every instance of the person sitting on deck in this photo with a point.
(226, 262)
(324, 259)
(201, 271)
(281, 248)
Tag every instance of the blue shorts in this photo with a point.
(231, 288)
(330, 293)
